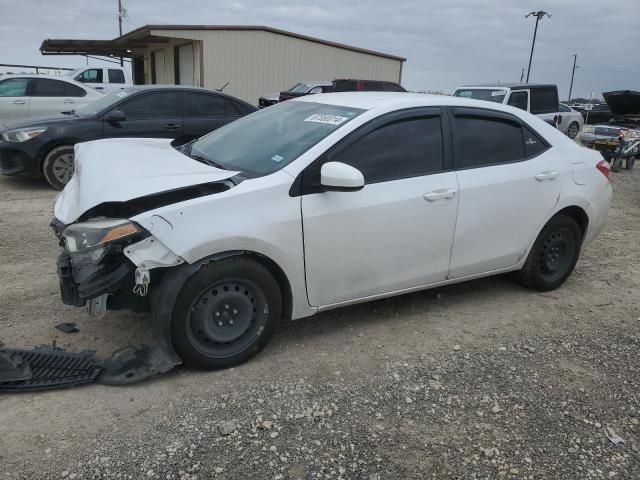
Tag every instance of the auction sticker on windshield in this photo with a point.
(328, 119)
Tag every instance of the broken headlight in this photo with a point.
(95, 235)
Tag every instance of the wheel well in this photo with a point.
(281, 278)
(579, 215)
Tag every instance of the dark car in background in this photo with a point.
(339, 85)
(600, 113)
(43, 146)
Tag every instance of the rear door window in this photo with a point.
(401, 149)
(203, 105)
(345, 86)
(73, 91)
(116, 76)
(544, 100)
(486, 140)
(14, 87)
(372, 86)
(152, 105)
(45, 87)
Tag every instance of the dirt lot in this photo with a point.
(479, 380)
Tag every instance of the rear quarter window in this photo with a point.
(544, 100)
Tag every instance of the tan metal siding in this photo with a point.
(259, 62)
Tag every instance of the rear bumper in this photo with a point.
(599, 212)
(17, 162)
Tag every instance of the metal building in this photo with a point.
(253, 60)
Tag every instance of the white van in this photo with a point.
(105, 80)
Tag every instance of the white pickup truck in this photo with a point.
(103, 79)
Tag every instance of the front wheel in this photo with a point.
(572, 129)
(554, 254)
(58, 166)
(225, 313)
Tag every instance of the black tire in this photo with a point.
(631, 161)
(616, 163)
(225, 313)
(553, 256)
(573, 129)
(58, 166)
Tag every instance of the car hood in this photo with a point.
(43, 120)
(118, 170)
(623, 102)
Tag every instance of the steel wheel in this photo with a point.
(573, 129)
(556, 255)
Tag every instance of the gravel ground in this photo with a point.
(479, 380)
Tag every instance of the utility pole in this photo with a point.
(573, 72)
(539, 16)
(522, 75)
(120, 25)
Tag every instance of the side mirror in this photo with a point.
(115, 116)
(340, 177)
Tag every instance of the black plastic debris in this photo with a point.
(67, 327)
(48, 366)
(132, 364)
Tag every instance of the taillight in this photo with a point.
(604, 168)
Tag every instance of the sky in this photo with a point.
(447, 43)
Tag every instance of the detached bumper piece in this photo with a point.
(48, 367)
(45, 367)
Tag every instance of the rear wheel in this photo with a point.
(226, 313)
(554, 254)
(58, 166)
(572, 129)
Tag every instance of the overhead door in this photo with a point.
(185, 64)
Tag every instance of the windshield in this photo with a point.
(299, 88)
(269, 139)
(486, 94)
(102, 103)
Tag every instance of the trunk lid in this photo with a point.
(117, 170)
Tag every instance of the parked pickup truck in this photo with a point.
(103, 79)
(541, 100)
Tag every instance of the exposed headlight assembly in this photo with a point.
(22, 134)
(588, 129)
(96, 234)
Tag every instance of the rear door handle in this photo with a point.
(542, 176)
(99, 88)
(443, 194)
(171, 126)
(68, 100)
(19, 102)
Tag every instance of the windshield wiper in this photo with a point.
(208, 161)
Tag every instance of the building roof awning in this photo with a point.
(126, 45)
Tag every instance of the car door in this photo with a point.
(50, 96)
(156, 114)
(203, 113)
(519, 99)
(116, 80)
(396, 232)
(509, 182)
(14, 101)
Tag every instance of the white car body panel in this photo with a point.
(383, 240)
(387, 236)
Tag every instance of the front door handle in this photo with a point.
(68, 100)
(171, 126)
(542, 176)
(19, 102)
(443, 194)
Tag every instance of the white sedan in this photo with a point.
(571, 121)
(23, 96)
(318, 203)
